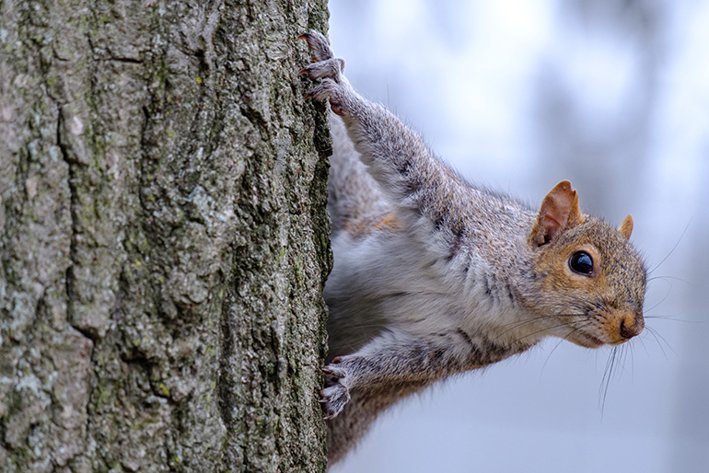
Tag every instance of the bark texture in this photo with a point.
(163, 238)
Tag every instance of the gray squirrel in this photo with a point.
(434, 276)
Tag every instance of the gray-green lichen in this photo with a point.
(163, 238)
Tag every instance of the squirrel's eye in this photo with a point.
(581, 263)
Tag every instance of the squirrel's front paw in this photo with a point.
(335, 394)
(327, 69)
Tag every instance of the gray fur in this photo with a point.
(433, 276)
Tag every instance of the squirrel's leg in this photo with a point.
(416, 182)
(387, 361)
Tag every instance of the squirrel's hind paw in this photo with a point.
(335, 395)
(333, 399)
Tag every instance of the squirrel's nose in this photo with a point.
(630, 325)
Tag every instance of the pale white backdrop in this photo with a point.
(517, 95)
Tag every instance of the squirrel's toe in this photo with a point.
(331, 68)
(333, 399)
(318, 44)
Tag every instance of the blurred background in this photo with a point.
(518, 95)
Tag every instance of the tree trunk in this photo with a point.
(163, 238)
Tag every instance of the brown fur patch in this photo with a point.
(389, 222)
(364, 227)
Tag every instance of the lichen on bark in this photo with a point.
(163, 238)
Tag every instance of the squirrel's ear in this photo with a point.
(559, 211)
(626, 228)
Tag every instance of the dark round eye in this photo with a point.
(581, 263)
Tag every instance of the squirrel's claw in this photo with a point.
(336, 394)
(322, 90)
(333, 373)
(327, 71)
(333, 399)
(331, 68)
(318, 44)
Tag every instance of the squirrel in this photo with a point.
(434, 276)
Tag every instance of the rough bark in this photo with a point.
(163, 239)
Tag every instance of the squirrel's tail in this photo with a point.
(355, 202)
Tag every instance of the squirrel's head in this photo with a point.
(590, 280)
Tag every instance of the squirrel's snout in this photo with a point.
(630, 325)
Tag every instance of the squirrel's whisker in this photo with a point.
(679, 240)
(659, 337)
(664, 298)
(675, 319)
(567, 324)
(556, 345)
(671, 278)
(606, 380)
(657, 341)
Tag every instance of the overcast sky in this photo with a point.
(519, 95)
